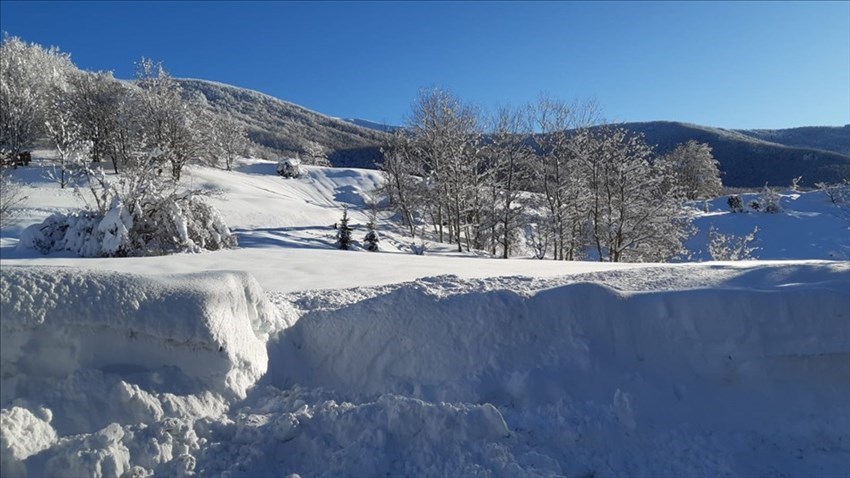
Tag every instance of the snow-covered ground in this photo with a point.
(288, 356)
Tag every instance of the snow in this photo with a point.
(56, 321)
(287, 356)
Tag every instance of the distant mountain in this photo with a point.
(748, 160)
(373, 125)
(283, 127)
(826, 138)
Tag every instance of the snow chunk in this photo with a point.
(211, 327)
(22, 434)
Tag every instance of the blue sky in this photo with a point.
(734, 65)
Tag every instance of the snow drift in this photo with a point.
(503, 347)
(207, 329)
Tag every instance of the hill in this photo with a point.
(284, 127)
(748, 161)
(826, 138)
(748, 158)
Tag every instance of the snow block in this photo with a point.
(206, 331)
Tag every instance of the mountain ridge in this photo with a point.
(748, 158)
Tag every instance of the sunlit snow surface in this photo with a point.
(332, 363)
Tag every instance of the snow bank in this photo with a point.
(503, 347)
(202, 331)
(747, 375)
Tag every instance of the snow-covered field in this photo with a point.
(288, 356)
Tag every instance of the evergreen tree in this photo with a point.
(372, 237)
(343, 231)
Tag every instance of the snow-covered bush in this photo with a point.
(289, 168)
(755, 205)
(169, 224)
(729, 247)
(770, 200)
(735, 203)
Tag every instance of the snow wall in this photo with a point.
(204, 331)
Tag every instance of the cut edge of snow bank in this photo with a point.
(211, 327)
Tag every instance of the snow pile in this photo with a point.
(503, 347)
(208, 329)
(590, 379)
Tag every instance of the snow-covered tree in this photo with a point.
(447, 142)
(403, 185)
(66, 134)
(694, 170)
(510, 156)
(559, 170)
(28, 72)
(315, 154)
(633, 217)
(372, 238)
(343, 231)
(169, 122)
(223, 138)
(95, 101)
(770, 200)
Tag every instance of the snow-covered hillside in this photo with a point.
(287, 355)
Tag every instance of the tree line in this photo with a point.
(550, 172)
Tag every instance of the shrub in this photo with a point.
(735, 203)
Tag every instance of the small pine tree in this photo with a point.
(755, 205)
(735, 203)
(372, 237)
(343, 231)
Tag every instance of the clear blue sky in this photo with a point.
(734, 65)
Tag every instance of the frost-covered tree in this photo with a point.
(169, 123)
(223, 138)
(770, 200)
(447, 142)
(65, 132)
(633, 216)
(96, 102)
(403, 185)
(563, 146)
(343, 231)
(729, 247)
(694, 170)
(510, 154)
(28, 72)
(315, 154)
